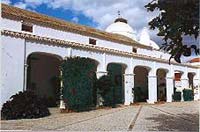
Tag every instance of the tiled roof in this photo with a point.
(89, 47)
(15, 13)
(195, 60)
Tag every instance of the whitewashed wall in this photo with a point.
(154, 53)
(15, 52)
(12, 64)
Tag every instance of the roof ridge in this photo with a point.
(16, 13)
(77, 44)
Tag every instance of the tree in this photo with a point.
(176, 19)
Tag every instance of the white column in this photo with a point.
(128, 87)
(169, 88)
(69, 52)
(101, 71)
(152, 89)
(62, 103)
(196, 82)
(99, 74)
(25, 76)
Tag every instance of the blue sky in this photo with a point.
(65, 14)
(94, 13)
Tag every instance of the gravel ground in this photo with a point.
(177, 116)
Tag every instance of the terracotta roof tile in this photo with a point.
(15, 13)
(195, 60)
(91, 47)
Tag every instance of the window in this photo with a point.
(27, 27)
(134, 50)
(92, 41)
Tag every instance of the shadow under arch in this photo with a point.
(116, 72)
(191, 76)
(140, 90)
(161, 74)
(97, 62)
(46, 54)
(43, 76)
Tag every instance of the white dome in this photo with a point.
(121, 28)
(145, 39)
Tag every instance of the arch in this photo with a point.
(124, 66)
(191, 76)
(146, 67)
(141, 83)
(178, 75)
(45, 53)
(43, 76)
(116, 72)
(164, 69)
(96, 61)
(161, 84)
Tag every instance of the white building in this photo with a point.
(32, 46)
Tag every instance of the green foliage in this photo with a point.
(176, 96)
(139, 95)
(115, 71)
(188, 95)
(177, 19)
(24, 105)
(105, 88)
(78, 79)
(110, 87)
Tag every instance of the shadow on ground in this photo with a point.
(181, 122)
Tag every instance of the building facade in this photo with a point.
(32, 46)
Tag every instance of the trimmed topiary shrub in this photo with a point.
(176, 96)
(188, 95)
(115, 72)
(24, 105)
(79, 76)
(140, 94)
(105, 88)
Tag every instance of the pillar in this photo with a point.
(196, 82)
(62, 103)
(99, 74)
(25, 76)
(100, 100)
(152, 89)
(128, 88)
(169, 88)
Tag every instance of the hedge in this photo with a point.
(188, 95)
(176, 96)
(79, 76)
(115, 72)
(24, 105)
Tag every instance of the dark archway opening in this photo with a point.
(140, 84)
(161, 85)
(190, 79)
(79, 77)
(43, 77)
(116, 72)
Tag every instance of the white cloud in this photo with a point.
(35, 3)
(21, 5)
(75, 19)
(6, 1)
(102, 12)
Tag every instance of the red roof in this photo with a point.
(195, 60)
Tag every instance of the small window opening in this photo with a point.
(27, 27)
(134, 50)
(92, 41)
